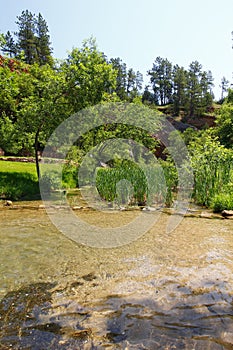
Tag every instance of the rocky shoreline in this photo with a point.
(18, 159)
(195, 213)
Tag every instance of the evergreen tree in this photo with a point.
(31, 42)
(148, 96)
(131, 81)
(44, 50)
(121, 79)
(206, 83)
(224, 87)
(139, 81)
(179, 89)
(161, 80)
(27, 36)
(9, 46)
(128, 83)
(194, 87)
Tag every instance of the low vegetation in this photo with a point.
(18, 181)
(128, 184)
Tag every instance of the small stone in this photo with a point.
(206, 215)
(226, 213)
(8, 203)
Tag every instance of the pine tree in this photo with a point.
(27, 36)
(224, 86)
(139, 81)
(179, 89)
(9, 46)
(128, 83)
(131, 81)
(194, 87)
(207, 96)
(149, 97)
(31, 42)
(121, 79)
(161, 80)
(43, 48)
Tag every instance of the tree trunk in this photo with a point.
(36, 148)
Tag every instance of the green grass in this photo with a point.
(17, 167)
(18, 180)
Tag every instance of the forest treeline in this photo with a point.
(38, 92)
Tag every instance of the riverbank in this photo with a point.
(17, 159)
(40, 206)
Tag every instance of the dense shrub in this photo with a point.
(222, 201)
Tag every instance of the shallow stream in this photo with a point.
(163, 291)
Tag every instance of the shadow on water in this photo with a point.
(29, 321)
(30, 318)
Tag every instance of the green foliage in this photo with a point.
(31, 42)
(17, 186)
(117, 184)
(222, 201)
(189, 91)
(224, 122)
(180, 98)
(128, 83)
(2, 39)
(171, 177)
(161, 80)
(70, 176)
(224, 87)
(18, 180)
(8, 140)
(88, 76)
(212, 165)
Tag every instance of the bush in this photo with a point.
(222, 201)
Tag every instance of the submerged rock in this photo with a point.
(8, 203)
(227, 213)
(29, 320)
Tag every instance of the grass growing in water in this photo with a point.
(130, 184)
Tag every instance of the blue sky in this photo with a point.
(138, 31)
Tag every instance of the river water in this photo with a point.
(162, 291)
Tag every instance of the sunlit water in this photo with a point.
(163, 291)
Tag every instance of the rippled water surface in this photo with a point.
(163, 291)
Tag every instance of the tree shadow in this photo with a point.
(28, 320)
(15, 186)
(193, 319)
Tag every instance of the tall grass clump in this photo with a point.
(130, 183)
(212, 165)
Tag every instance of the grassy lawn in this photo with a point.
(17, 167)
(18, 181)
